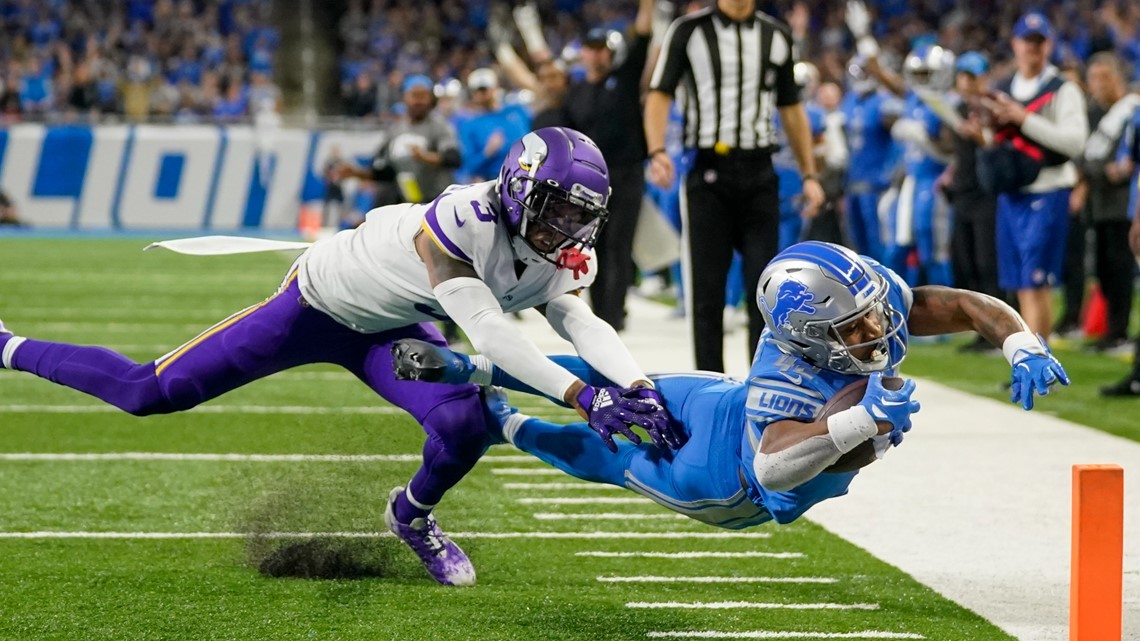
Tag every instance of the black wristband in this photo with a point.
(814, 177)
(659, 150)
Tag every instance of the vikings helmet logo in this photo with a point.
(793, 296)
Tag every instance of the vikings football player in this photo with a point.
(474, 254)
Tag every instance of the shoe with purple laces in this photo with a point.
(442, 558)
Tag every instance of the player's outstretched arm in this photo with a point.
(946, 310)
(469, 302)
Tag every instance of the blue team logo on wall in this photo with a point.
(793, 296)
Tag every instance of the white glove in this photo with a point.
(858, 19)
(662, 18)
(530, 27)
(909, 130)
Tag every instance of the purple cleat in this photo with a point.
(442, 558)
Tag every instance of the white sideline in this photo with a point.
(736, 605)
(976, 502)
(693, 555)
(717, 579)
(372, 535)
(779, 634)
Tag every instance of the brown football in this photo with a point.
(846, 398)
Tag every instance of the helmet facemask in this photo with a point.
(842, 357)
(571, 219)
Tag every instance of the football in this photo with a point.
(846, 398)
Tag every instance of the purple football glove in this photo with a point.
(608, 413)
(665, 432)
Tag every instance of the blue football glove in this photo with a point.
(665, 432)
(1035, 369)
(890, 406)
(609, 413)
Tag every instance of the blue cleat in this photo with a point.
(416, 360)
(442, 558)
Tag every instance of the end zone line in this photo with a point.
(693, 555)
(372, 535)
(779, 634)
(731, 605)
(717, 579)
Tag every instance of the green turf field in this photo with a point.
(561, 587)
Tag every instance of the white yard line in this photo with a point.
(780, 634)
(560, 486)
(585, 500)
(717, 579)
(372, 535)
(693, 555)
(605, 516)
(528, 471)
(242, 458)
(206, 409)
(754, 605)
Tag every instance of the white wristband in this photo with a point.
(867, 47)
(1021, 344)
(851, 427)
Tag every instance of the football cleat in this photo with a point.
(416, 360)
(442, 558)
(4, 330)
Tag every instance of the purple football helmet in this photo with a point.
(554, 178)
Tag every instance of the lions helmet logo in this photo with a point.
(793, 296)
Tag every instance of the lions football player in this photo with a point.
(760, 450)
(473, 254)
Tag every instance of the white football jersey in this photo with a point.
(372, 280)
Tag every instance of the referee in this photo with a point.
(734, 66)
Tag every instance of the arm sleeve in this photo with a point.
(472, 305)
(594, 340)
(673, 59)
(1070, 129)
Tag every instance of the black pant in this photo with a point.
(615, 245)
(732, 202)
(1114, 269)
(973, 243)
(1073, 283)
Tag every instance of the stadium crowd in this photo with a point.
(461, 80)
(162, 60)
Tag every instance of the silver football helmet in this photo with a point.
(811, 294)
(929, 67)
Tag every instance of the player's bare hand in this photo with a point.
(813, 198)
(661, 170)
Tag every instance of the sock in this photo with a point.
(407, 509)
(8, 345)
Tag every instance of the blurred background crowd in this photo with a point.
(455, 82)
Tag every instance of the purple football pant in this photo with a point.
(275, 335)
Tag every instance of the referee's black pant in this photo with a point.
(615, 244)
(731, 202)
(973, 243)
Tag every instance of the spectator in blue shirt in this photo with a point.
(491, 128)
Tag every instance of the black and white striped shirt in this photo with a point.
(732, 75)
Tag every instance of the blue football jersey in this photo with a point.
(868, 139)
(782, 386)
(917, 161)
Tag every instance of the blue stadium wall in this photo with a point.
(139, 177)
